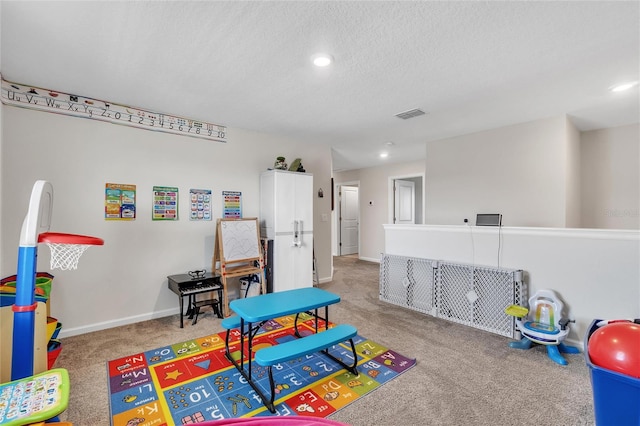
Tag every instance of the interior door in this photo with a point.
(404, 201)
(349, 210)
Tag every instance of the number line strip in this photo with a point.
(78, 106)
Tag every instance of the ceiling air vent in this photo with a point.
(410, 114)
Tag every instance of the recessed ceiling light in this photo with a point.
(322, 59)
(623, 86)
(384, 154)
(390, 143)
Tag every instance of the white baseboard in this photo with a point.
(370, 259)
(577, 343)
(68, 332)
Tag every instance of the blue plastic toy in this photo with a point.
(544, 325)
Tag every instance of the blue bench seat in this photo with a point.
(304, 346)
(230, 322)
(292, 349)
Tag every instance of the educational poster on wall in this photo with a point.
(119, 201)
(231, 204)
(200, 204)
(165, 203)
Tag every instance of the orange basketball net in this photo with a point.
(66, 249)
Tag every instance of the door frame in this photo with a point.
(341, 218)
(335, 229)
(391, 196)
(399, 194)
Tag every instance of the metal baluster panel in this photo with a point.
(407, 282)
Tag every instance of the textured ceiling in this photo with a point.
(471, 66)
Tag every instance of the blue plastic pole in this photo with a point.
(24, 314)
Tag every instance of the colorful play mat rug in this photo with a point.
(192, 382)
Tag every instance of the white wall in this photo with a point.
(534, 173)
(519, 171)
(125, 280)
(1, 179)
(374, 187)
(610, 178)
(595, 272)
(573, 216)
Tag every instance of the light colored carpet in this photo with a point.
(463, 376)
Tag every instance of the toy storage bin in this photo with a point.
(53, 351)
(615, 395)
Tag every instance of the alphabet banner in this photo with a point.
(79, 106)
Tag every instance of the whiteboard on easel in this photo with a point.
(240, 240)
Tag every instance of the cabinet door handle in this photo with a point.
(296, 234)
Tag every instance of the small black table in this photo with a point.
(185, 285)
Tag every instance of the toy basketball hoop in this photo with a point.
(66, 249)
